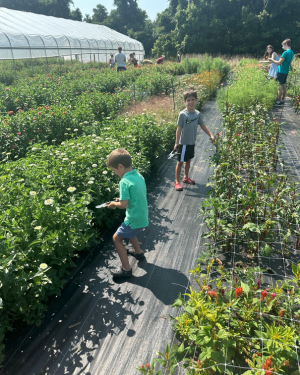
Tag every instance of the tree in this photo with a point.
(100, 14)
(55, 8)
(76, 15)
(226, 26)
(88, 19)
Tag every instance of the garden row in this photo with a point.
(236, 322)
(48, 197)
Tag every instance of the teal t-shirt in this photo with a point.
(285, 66)
(133, 188)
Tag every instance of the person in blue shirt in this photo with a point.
(283, 69)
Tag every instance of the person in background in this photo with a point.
(133, 60)
(120, 59)
(179, 57)
(147, 62)
(273, 67)
(160, 60)
(283, 69)
(111, 61)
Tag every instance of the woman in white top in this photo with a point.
(273, 67)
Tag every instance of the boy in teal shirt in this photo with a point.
(133, 197)
(283, 69)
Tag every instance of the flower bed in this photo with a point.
(47, 208)
(49, 197)
(237, 322)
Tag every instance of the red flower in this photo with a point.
(238, 291)
(19, 133)
(10, 112)
(7, 89)
(263, 294)
(40, 130)
(20, 110)
(281, 313)
(13, 147)
(64, 113)
(39, 113)
(222, 291)
(212, 293)
(30, 141)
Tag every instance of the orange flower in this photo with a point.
(212, 293)
(148, 365)
(263, 294)
(281, 313)
(238, 291)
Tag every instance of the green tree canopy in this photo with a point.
(55, 8)
(227, 26)
(76, 15)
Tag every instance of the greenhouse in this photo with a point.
(25, 35)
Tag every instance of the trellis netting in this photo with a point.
(25, 35)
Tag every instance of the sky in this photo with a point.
(150, 6)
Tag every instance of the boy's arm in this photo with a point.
(178, 134)
(277, 62)
(121, 204)
(205, 129)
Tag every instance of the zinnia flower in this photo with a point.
(32, 193)
(281, 313)
(48, 202)
(10, 112)
(43, 266)
(71, 189)
(212, 293)
(90, 182)
(94, 165)
(38, 227)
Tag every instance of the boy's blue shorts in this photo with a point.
(125, 231)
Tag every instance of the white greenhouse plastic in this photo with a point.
(26, 35)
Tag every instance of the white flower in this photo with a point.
(1, 302)
(22, 179)
(63, 143)
(71, 189)
(94, 165)
(82, 155)
(75, 130)
(92, 178)
(90, 182)
(8, 153)
(43, 266)
(104, 172)
(49, 176)
(34, 148)
(73, 162)
(38, 227)
(32, 165)
(85, 122)
(65, 158)
(68, 128)
(32, 192)
(71, 143)
(48, 202)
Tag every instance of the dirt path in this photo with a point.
(98, 327)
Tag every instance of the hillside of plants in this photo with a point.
(56, 132)
(234, 320)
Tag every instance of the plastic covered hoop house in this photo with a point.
(26, 35)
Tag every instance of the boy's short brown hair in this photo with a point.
(119, 156)
(120, 49)
(287, 42)
(188, 93)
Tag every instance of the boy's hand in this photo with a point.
(212, 139)
(112, 205)
(176, 146)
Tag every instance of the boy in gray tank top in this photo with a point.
(186, 133)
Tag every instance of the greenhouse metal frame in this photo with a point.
(25, 35)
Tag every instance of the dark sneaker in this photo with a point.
(121, 273)
(137, 256)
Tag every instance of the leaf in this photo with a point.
(294, 268)
(246, 288)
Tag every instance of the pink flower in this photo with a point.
(10, 112)
(273, 295)
(13, 147)
(19, 133)
(20, 110)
